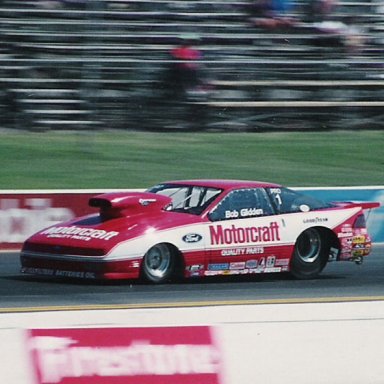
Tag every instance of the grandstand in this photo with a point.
(70, 64)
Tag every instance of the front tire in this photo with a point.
(310, 254)
(159, 264)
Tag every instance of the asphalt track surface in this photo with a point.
(340, 281)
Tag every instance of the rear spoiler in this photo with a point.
(361, 204)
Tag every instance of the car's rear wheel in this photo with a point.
(310, 254)
(159, 264)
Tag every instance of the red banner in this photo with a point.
(23, 214)
(167, 355)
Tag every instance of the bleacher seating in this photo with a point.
(69, 64)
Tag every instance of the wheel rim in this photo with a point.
(158, 261)
(309, 246)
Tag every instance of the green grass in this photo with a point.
(55, 160)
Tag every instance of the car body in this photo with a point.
(196, 228)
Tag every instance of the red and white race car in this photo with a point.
(201, 228)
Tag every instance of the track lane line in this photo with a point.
(93, 307)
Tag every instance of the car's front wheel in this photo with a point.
(310, 254)
(159, 264)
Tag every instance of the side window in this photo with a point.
(282, 199)
(243, 203)
(288, 201)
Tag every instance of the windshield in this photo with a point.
(187, 198)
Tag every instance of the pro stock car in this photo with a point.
(201, 228)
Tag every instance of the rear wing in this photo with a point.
(362, 204)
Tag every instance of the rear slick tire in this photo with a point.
(310, 255)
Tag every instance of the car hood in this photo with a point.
(121, 216)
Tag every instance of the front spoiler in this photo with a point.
(80, 269)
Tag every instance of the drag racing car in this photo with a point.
(198, 228)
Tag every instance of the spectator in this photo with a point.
(272, 14)
(184, 84)
(332, 29)
(184, 72)
(321, 10)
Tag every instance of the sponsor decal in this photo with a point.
(346, 228)
(242, 251)
(125, 355)
(271, 261)
(237, 265)
(226, 272)
(281, 262)
(315, 220)
(361, 231)
(58, 273)
(218, 266)
(261, 263)
(192, 238)
(250, 264)
(255, 251)
(359, 240)
(196, 267)
(39, 271)
(78, 233)
(233, 252)
(249, 267)
(241, 235)
(231, 214)
(245, 212)
(211, 273)
(340, 235)
(146, 202)
(255, 270)
(87, 275)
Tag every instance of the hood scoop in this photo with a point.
(125, 204)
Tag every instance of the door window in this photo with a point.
(243, 203)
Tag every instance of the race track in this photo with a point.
(339, 281)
